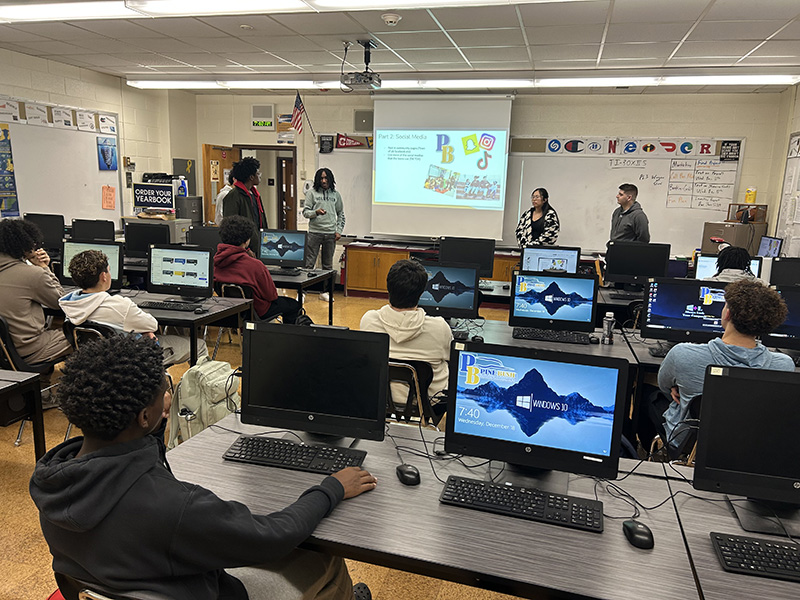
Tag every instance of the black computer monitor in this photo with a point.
(186, 271)
(281, 248)
(207, 237)
(536, 259)
(634, 262)
(91, 229)
(683, 310)
(112, 250)
(140, 236)
(787, 334)
(452, 290)
(785, 271)
(343, 395)
(52, 228)
(468, 251)
(563, 302)
(747, 444)
(538, 409)
(770, 246)
(706, 266)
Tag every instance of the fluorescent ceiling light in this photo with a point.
(165, 8)
(373, 4)
(174, 85)
(732, 80)
(590, 82)
(66, 11)
(270, 85)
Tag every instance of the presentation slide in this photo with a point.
(449, 287)
(179, 267)
(111, 252)
(552, 404)
(543, 258)
(283, 245)
(453, 168)
(685, 307)
(553, 298)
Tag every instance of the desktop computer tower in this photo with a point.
(190, 207)
(177, 227)
(736, 234)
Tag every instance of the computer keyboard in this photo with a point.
(181, 306)
(626, 296)
(286, 272)
(135, 261)
(549, 335)
(460, 335)
(524, 503)
(754, 556)
(286, 454)
(485, 286)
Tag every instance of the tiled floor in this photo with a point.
(24, 558)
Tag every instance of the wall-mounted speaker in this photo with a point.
(363, 120)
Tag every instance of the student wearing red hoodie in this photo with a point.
(235, 263)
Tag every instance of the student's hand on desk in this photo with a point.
(39, 258)
(355, 481)
(675, 393)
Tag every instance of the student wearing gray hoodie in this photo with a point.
(751, 309)
(628, 221)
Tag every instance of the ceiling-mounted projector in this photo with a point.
(368, 80)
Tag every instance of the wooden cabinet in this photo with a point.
(367, 267)
(504, 267)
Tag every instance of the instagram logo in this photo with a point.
(487, 141)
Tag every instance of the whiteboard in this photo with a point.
(56, 171)
(352, 171)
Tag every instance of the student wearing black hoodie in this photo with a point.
(114, 516)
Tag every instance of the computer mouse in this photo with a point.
(408, 474)
(310, 274)
(506, 286)
(593, 339)
(477, 338)
(638, 534)
(200, 310)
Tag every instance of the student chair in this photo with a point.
(70, 588)
(236, 290)
(12, 361)
(685, 452)
(417, 375)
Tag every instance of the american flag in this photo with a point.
(297, 114)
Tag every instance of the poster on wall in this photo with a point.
(62, 118)
(9, 203)
(85, 120)
(107, 153)
(108, 124)
(36, 114)
(9, 111)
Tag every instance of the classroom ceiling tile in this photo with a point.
(181, 27)
(219, 44)
(768, 61)
(149, 59)
(476, 38)
(175, 70)
(319, 23)
(398, 67)
(310, 58)
(779, 48)
(744, 10)
(571, 13)
(734, 30)
(715, 48)
(110, 46)
(565, 34)
(639, 50)
(55, 31)
(566, 51)
(506, 65)
(261, 25)
(476, 16)
(198, 59)
(292, 43)
(564, 65)
(116, 28)
(162, 44)
(702, 61)
(431, 39)
(52, 47)
(791, 32)
(412, 20)
(252, 59)
(647, 32)
(636, 11)
(496, 54)
(630, 63)
(424, 57)
(10, 34)
(104, 60)
(78, 60)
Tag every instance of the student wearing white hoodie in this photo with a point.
(413, 335)
(89, 270)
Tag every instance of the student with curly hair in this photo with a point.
(26, 285)
(89, 269)
(751, 310)
(116, 518)
(733, 264)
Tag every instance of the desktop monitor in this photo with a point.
(186, 271)
(208, 237)
(683, 310)
(785, 271)
(452, 290)
(770, 246)
(561, 301)
(90, 229)
(282, 248)
(536, 259)
(634, 262)
(787, 334)
(343, 395)
(535, 408)
(747, 444)
(468, 251)
(52, 228)
(139, 237)
(706, 266)
(112, 250)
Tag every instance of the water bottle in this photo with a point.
(608, 329)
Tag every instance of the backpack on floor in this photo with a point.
(207, 392)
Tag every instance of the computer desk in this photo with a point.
(218, 308)
(18, 385)
(407, 528)
(698, 518)
(305, 280)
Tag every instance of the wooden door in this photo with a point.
(214, 179)
(287, 194)
(385, 261)
(361, 267)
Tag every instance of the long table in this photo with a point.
(407, 528)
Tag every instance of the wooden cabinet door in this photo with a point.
(361, 267)
(385, 261)
(503, 267)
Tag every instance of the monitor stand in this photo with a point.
(758, 516)
(186, 299)
(321, 439)
(555, 482)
